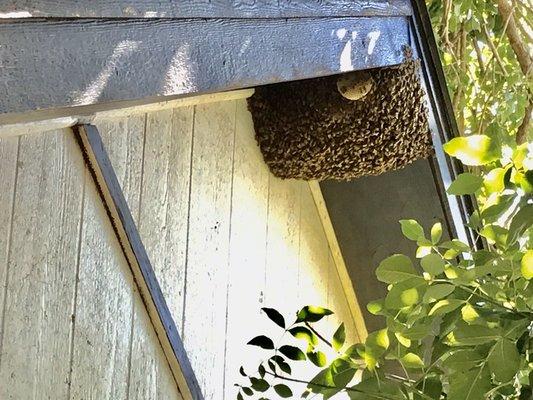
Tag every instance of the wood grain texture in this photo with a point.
(104, 310)
(101, 61)
(149, 375)
(138, 261)
(42, 268)
(8, 175)
(202, 8)
(165, 200)
(208, 251)
(283, 241)
(248, 239)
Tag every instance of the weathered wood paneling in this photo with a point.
(225, 237)
(208, 249)
(165, 200)
(62, 63)
(248, 240)
(252, 240)
(8, 163)
(70, 298)
(202, 8)
(149, 374)
(35, 349)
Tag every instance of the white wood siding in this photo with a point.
(69, 302)
(224, 236)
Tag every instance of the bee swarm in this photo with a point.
(308, 130)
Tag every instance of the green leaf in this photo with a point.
(318, 358)
(241, 371)
(411, 360)
(259, 384)
(375, 307)
(261, 371)
(431, 386)
(473, 149)
(436, 233)
(495, 234)
(469, 314)
(471, 385)
(323, 378)
(281, 364)
(504, 360)
(526, 265)
(339, 337)
(433, 264)
(301, 332)
(418, 332)
(263, 342)
(445, 306)
(275, 316)
(283, 390)
(292, 353)
(312, 314)
(522, 221)
(462, 360)
(405, 293)
(395, 268)
(411, 229)
(465, 183)
(493, 181)
(377, 342)
(342, 372)
(475, 334)
(239, 396)
(372, 389)
(248, 391)
(437, 292)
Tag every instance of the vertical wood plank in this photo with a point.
(247, 251)
(149, 374)
(283, 245)
(207, 264)
(313, 255)
(165, 200)
(103, 334)
(42, 268)
(339, 304)
(8, 169)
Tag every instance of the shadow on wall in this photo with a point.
(365, 215)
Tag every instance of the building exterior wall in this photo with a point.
(224, 236)
(72, 323)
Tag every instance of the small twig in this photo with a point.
(494, 49)
(318, 334)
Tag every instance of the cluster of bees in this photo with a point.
(308, 130)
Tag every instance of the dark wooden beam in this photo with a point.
(202, 8)
(133, 248)
(47, 64)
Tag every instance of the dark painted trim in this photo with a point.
(50, 64)
(458, 207)
(203, 8)
(137, 258)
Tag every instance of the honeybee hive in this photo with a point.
(308, 130)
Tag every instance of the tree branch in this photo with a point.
(505, 9)
(523, 129)
(524, 58)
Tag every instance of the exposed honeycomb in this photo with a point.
(307, 130)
